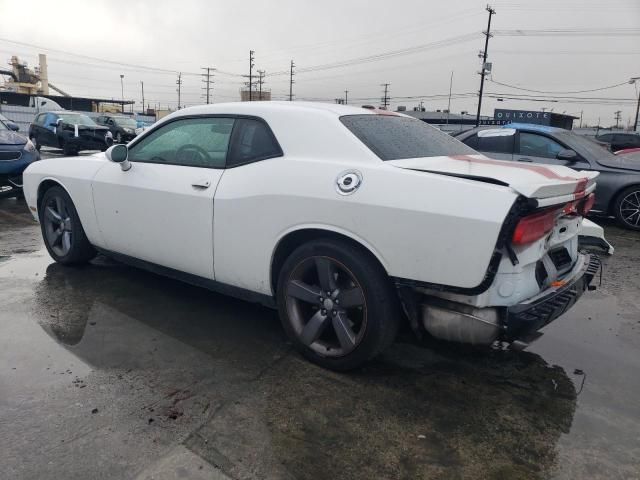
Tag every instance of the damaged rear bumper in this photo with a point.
(525, 319)
(458, 322)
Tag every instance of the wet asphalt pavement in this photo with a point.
(111, 372)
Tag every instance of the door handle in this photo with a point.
(525, 160)
(201, 184)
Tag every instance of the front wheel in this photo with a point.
(336, 304)
(627, 208)
(62, 231)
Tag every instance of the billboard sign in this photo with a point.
(522, 116)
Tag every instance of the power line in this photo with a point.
(543, 91)
(111, 62)
(385, 55)
(570, 32)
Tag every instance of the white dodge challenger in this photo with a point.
(345, 219)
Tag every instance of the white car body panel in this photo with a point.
(154, 213)
(74, 174)
(417, 216)
(419, 228)
(530, 180)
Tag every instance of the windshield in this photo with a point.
(585, 147)
(392, 137)
(125, 122)
(76, 119)
(2, 125)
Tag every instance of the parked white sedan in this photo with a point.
(347, 220)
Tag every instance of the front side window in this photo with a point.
(195, 142)
(534, 145)
(392, 137)
(252, 141)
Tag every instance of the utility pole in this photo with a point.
(635, 124)
(449, 102)
(122, 92)
(291, 74)
(142, 86)
(251, 65)
(179, 89)
(617, 117)
(581, 111)
(484, 61)
(346, 97)
(385, 99)
(260, 82)
(207, 79)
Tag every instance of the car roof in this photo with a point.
(532, 127)
(276, 108)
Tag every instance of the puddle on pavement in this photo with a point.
(437, 412)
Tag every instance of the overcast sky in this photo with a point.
(186, 35)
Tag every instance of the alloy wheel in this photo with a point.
(58, 225)
(630, 209)
(326, 306)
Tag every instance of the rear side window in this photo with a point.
(252, 141)
(498, 144)
(393, 137)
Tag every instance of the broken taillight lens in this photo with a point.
(587, 204)
(534, 227)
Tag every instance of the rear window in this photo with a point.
(393, 137)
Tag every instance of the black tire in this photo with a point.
(627, 201)
(69, 150)
(376, 319)
(80, 250)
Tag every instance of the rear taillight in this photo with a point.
(534, 227)
(587, 204)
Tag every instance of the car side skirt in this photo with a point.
(217, 287)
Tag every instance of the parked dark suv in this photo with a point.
(618, 185)
(620, 141)
(70, 131)
(16, 154)
(121, 127)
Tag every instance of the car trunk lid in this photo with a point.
(544, 183)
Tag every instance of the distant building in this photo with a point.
(256, 96)
(452, 122)
(449, 122)
(552, 119)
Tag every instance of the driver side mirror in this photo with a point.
(119, 154)
(568, 155)
(12, 126)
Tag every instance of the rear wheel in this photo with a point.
(336, 304)
(626, 208)
(62, 231)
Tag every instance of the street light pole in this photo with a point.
(122, 92)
